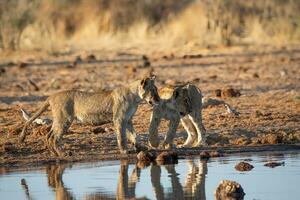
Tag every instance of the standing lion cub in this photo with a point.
(182, 103)
(118, 105)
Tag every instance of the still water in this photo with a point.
(189, 179)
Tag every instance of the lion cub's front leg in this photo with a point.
(120, 127)
(132, 136)
(173, 124)
(153, 131)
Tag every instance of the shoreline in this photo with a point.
(182, 154)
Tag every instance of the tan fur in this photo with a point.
(118, 105)
(181, 104)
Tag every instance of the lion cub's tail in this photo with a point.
(36, 115)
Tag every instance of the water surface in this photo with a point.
(189, 179)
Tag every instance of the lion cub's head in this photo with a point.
(148, 90)
(182, 100)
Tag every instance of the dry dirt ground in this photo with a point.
(269, 105)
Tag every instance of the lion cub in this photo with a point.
(118, 105)
(183, 103)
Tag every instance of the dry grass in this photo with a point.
(60, 26)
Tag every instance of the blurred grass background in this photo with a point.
(64, 25)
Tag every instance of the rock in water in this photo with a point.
(145, 156)
(229, 190)
(167, 158)
(274, 164)
(243, 166)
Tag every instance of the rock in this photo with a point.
(167, 158)
(171, 56)
(213, 77)
(271, 139)
(8, 147)
(204, 155)
(274, 164)
(144, 57)
(196, 80)
(229, 190)
(77, 60)
(255, 75)
(258, 114)
(97, 130)
(240, 141)
(10, 64)
(145, 156)
(217, 93)
(230, 92)
(22, 64)
(2, 71)
(131, 70)
(192, 56)
(90, 58)
(243, 166)
(215, 154)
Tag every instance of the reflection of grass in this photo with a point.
(166, 23)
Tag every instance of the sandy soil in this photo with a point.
(269, 105)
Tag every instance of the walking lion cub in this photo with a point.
(118, 105)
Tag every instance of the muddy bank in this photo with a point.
(15, 160)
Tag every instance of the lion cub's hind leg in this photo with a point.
(196, 119)
(191, 131)
(62, 120)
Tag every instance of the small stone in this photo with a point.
(204, 155)
(145, 156)
(22, 64)
(230, 190)
(146, 62)
(2, 70)
(131, 70)
(78, 59)
(97, 130)
(230, 92)
(213, 77)
(192, 56)
(215, 154)
(271, 139)
(167, 157)
(217, 93)
(90, 58)
(274, 164)
(243, 166)
(255, 75)
(8, 147)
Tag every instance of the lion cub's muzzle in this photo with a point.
(154, 98)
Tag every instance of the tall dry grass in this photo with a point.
(61, 25)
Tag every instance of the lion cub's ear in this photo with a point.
(147, 80)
